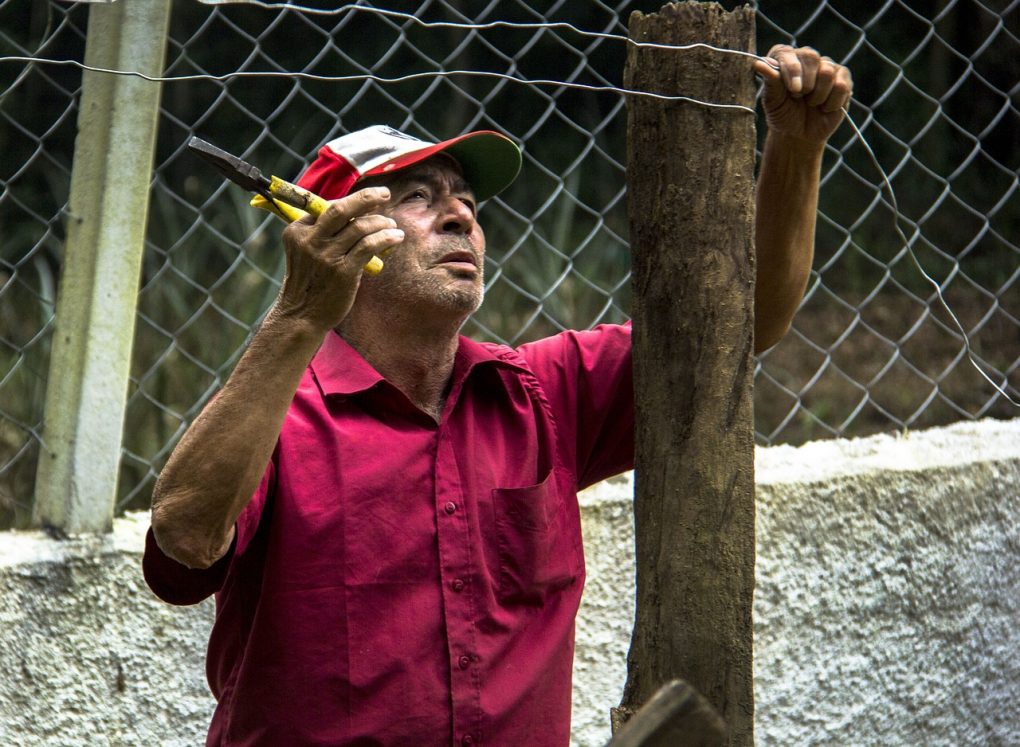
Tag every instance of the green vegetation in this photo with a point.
(866, 353)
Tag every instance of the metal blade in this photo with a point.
(238, 171)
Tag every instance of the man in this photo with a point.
(387, 511)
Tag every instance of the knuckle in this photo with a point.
(334, 212)
(374, 223)
(368, 196)
(294, 232)
(376, 241)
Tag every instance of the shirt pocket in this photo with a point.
(537, 550)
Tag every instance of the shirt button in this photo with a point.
(464, 662)
(458, 585)
(450, 507)
(467, 739)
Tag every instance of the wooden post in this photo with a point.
(690, 176)
(86, 390)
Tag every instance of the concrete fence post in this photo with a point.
(95, 317)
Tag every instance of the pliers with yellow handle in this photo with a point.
(281, 198)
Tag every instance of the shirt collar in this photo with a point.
(339, 369)
(471, 354)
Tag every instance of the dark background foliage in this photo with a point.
(936, 96)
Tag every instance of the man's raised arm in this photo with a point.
(219, 462)
(803, 101)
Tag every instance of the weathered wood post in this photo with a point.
(690, 176)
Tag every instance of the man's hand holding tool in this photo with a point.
(285, 200)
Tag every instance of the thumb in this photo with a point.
(775, 90)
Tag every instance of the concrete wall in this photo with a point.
(887, 609)
(87, 655)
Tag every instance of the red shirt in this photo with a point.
(395, 581)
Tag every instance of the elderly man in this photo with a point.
(385, 510)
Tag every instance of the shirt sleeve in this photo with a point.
(588, 380)
(175, 583)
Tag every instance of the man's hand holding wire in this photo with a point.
(805, 93)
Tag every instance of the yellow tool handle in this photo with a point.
(279, 209)
(284, 208)
(297, 196)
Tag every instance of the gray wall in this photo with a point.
(886, 610)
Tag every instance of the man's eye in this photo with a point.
(418, 194)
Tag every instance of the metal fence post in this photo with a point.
(95, 317)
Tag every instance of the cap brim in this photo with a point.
(490, 161)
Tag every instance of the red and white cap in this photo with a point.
(490, 161)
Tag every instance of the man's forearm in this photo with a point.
(222, 457)
(786, 206)
(217, 466)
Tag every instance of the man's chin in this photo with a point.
(462, 292)
(467, 303)
(429, 296)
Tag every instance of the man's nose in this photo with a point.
(456, 216)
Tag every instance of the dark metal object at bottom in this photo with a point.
(233, 168)
(676, 716)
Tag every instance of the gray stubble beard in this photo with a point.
(460, 300)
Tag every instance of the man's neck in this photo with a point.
(416, 360)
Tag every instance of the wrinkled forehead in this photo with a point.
(438, 169)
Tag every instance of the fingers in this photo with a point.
(327, 255)
(840, 91)
(343, 211)
(372, 235)
(349, 226)
(767, 68)
(792, 68)
(802, 73)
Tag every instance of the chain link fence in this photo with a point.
(937, 86)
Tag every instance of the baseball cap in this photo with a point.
(490, 161)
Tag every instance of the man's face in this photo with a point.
(439, 265)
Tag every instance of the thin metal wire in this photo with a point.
(521, 25)
(533, 82)
(917, 262)
(368, 76)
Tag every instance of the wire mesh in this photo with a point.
(38, 107)
(937, 86)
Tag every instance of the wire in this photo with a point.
(369, 76)
(414, 76)
(527, 26)
(917, 262)
(534, 82)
